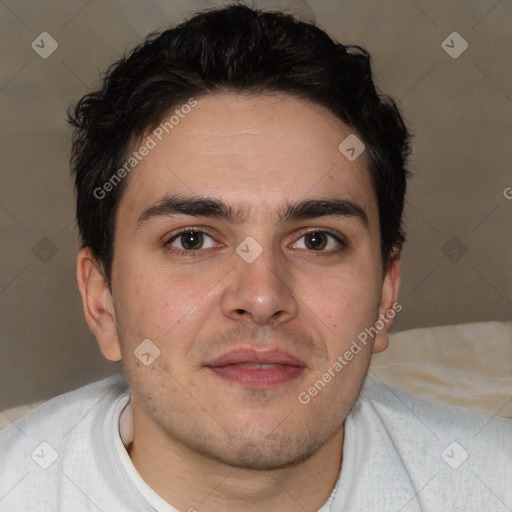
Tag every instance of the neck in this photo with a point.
(190, 481)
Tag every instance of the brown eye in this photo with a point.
(190, 240)
(316, 240)
(320, 241)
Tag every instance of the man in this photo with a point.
(240, 187)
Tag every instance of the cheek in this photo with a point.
(157, 302)
(346, 305)
(346, 298)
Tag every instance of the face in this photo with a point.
(247, 251)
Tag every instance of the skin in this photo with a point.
(202, 441)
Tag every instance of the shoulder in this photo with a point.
(66, 410)
(42, 453)
(453, 453)
(402, 408)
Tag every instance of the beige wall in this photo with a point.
(459, 109)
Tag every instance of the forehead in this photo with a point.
(252, 151)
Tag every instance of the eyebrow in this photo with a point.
(214, 208)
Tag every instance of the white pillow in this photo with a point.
(468, 365)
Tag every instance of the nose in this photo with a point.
(260, 290)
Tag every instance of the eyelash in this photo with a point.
(339, 239)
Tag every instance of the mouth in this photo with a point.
(257, 369)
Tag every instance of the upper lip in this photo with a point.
(251, 355)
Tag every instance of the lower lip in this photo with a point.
(258, 377)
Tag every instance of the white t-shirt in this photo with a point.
(400, 453)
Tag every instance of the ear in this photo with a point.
(98, 304)
(388, 304)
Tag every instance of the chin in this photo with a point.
(254, 459)
(269, 452)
